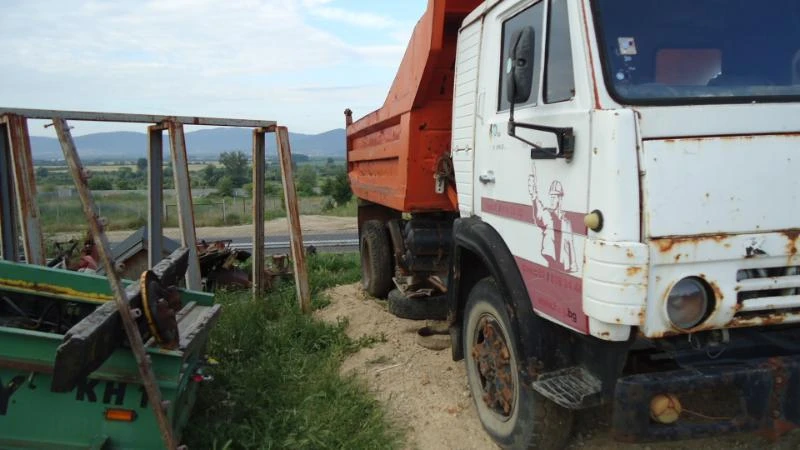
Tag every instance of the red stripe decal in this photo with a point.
(524, 213)
(555, 294)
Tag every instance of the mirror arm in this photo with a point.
(565, 139)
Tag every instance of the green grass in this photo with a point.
(128, 211)
(349, 209)
(278, 383)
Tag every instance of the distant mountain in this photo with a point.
(209, 143)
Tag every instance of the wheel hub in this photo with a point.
(493, 360)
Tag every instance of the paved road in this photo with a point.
(323, 242)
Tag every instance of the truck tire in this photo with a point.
(511, 412)
(376, 262)
(417, 308)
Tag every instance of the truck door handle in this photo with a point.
(486, 177)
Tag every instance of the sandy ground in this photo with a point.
(276, 227)
(426, 391)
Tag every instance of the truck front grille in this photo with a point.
(768, 290)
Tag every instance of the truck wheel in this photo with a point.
(511, 412)
(418, 308)
(376, 262)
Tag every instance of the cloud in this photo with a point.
(244, 58)
(360, 19)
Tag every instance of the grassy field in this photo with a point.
(128, 211)
(278, 383)
(99, 168)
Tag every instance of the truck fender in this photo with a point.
(479, 251)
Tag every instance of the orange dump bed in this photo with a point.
(393, 153)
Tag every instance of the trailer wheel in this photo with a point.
(511, 412)
(421, 308)
(376, 262)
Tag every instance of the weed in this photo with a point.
(278, 383)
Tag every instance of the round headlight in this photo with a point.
(688, 303)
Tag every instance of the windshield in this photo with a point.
(690, 51)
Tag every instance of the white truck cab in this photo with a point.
(684, 139)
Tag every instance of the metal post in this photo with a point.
(259, 153)
(183, 192)
(155, 191)
(25, 188)
(8, 215)
(293, 214)
(104, 250)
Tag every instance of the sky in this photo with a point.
(298, 62)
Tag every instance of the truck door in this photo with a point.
(536, 203)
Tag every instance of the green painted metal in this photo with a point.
(33, 417)
(67, 285)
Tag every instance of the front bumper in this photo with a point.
(767, 390)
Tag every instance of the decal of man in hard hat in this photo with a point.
(558, 247)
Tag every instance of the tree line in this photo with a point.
(234, 171)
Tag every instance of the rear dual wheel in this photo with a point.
(376, 261)
(511, 412)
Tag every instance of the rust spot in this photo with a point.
(742, 137)
(630, 254)
(791, 247)
(605, 334)
(779, 428)
(678, 257)
(634, 270)
(771, 319)
(667, 333)
(667, 244)
(792, 235)
(717, 291)
(618, 320)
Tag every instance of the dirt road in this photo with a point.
(426, 392)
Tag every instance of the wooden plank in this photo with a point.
(88, 344)
(293, 213)
(79, 176)
(259, 150)
(183, 192)
(25, 188)
(8, 211)
(155, 194)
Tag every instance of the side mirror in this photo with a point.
(519, 66)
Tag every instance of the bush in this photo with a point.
(338, 187)
(97, 183)
(225, 187)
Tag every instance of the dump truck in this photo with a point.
(603, 196)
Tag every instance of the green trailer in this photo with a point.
(67, 377)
